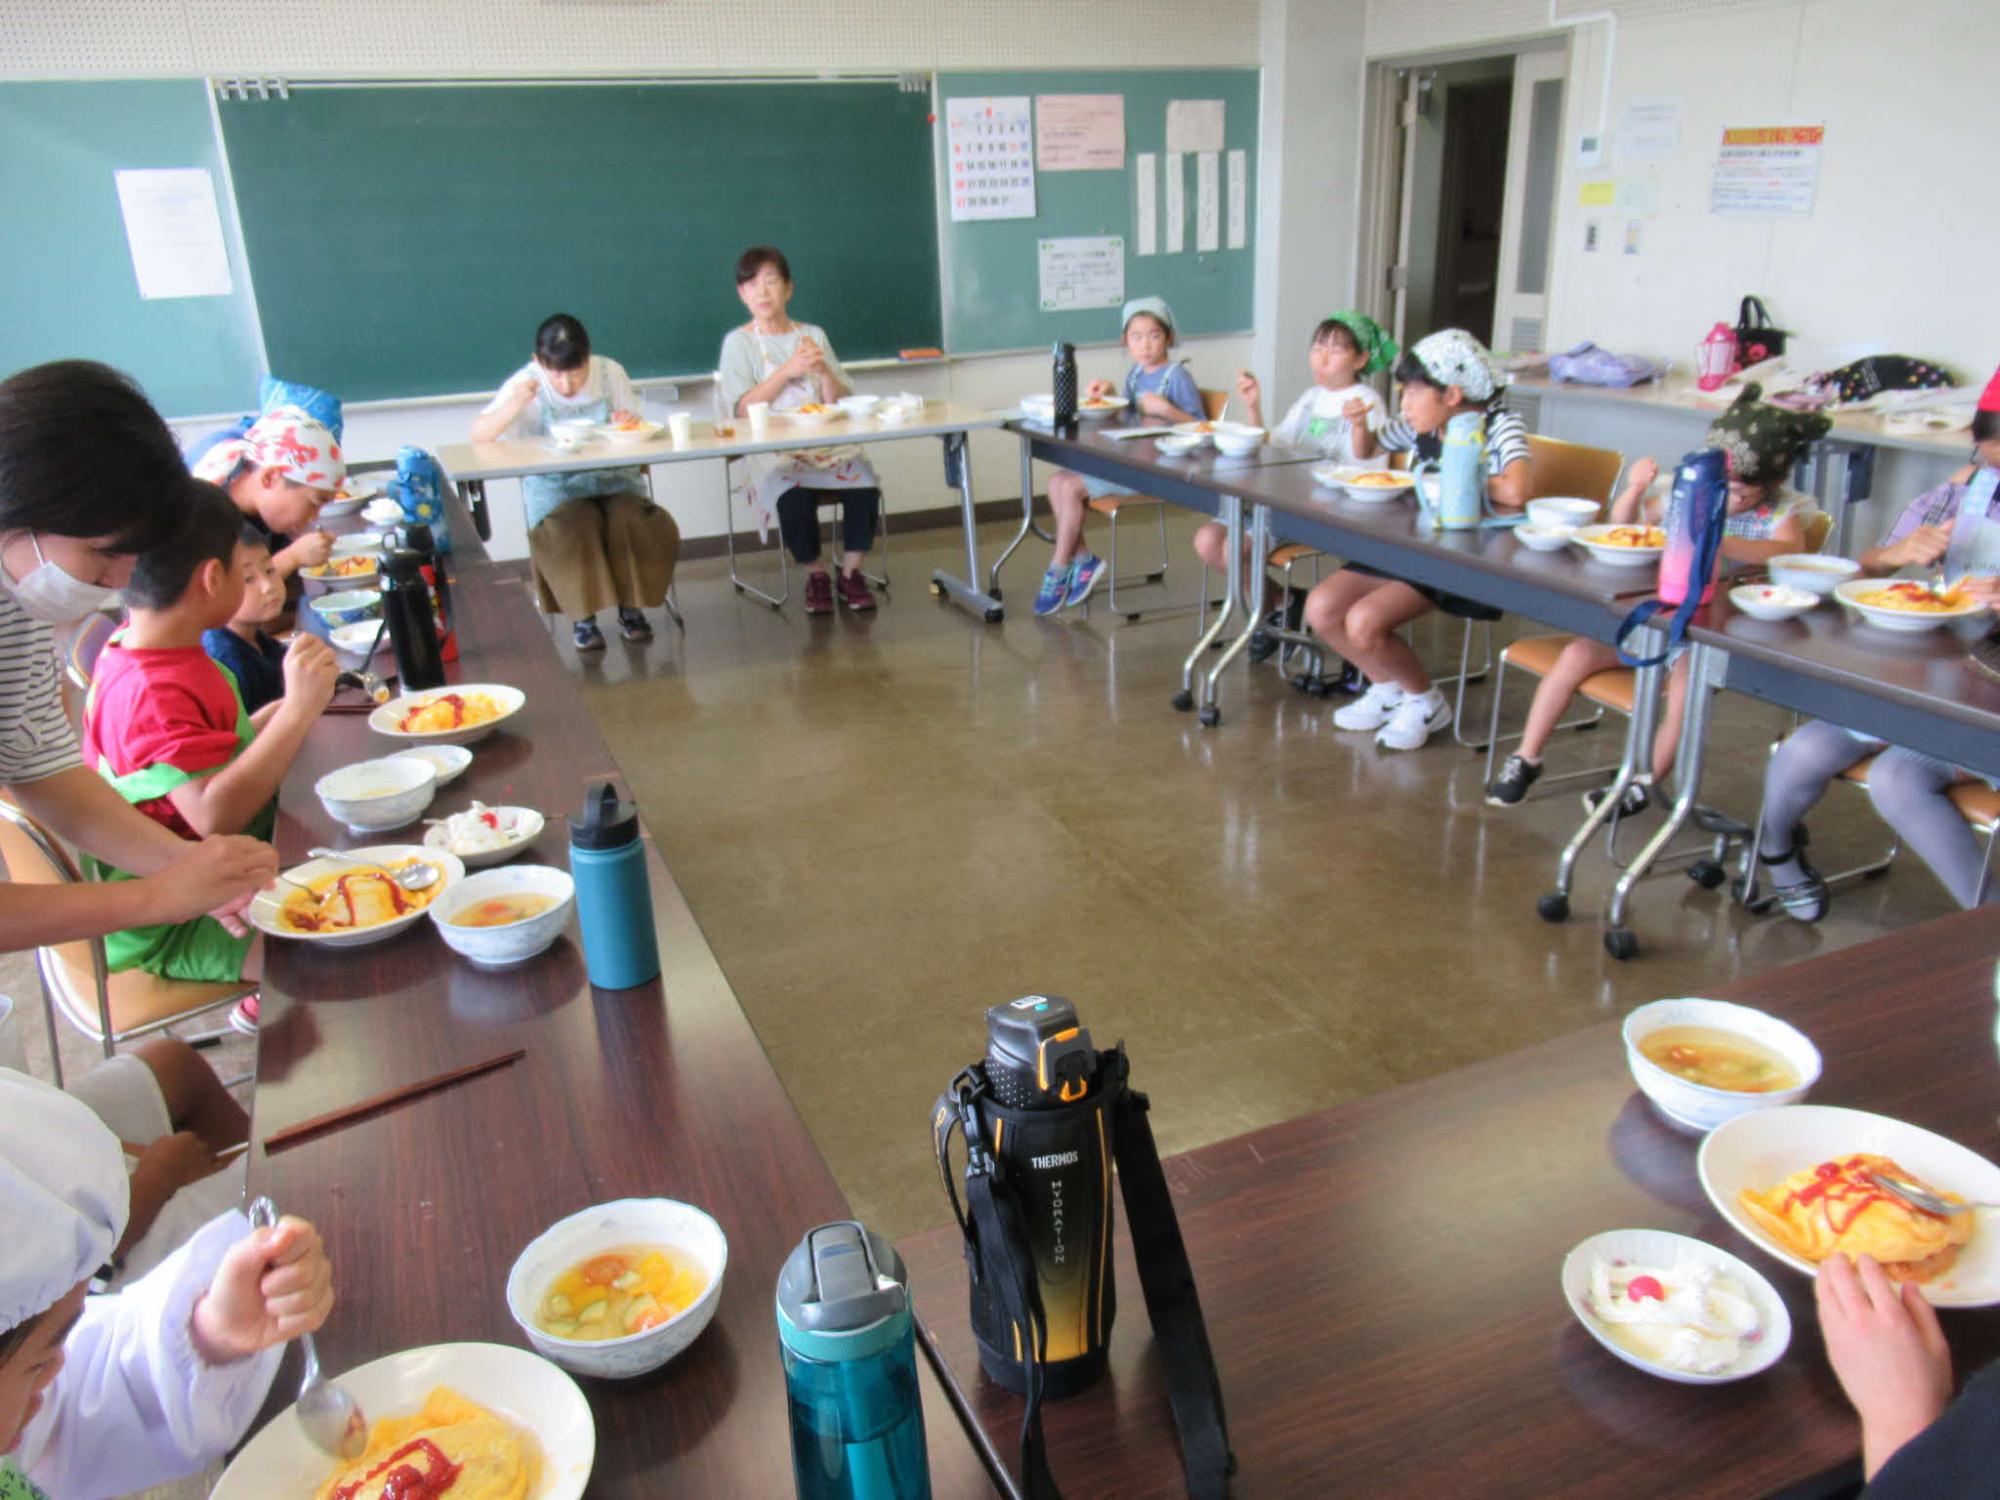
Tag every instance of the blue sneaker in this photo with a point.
(1055, 583)
(1083, 576)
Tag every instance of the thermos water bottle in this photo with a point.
(406, 610)
(849, 1348)
(614, 899)
(1064, 384)
(1461, 475)
(1699, 495)
(418, 538)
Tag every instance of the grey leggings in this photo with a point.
(1908, 790)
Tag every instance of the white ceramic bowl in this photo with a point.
(1659, 1247)
(354, 640)
(1108, 406)
(517, 942)
(1757, 1150)
(611, 432)
(382, 512)
(384, 719)
(607, 1226)
(345, 505)
(525, 1388)
(1342, 477)
(521, 825)
(357, 542)
(858, 408)
(262, 912)
(1772, 601)
(346, 606)
(1696, 1104)
(1590, 538)
(807, 418)
(1540, 538)
(1040, 408)
(572, 432)
(372, 796)
(1902, 621)
(1811, 572)
(450, 761)
(902, 409)
(319, 585)
(1238, 440)
(1178, 444)
(1559, 510)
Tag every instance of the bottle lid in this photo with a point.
(402, 566)
(842, 1293)
(606, 822)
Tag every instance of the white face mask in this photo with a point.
(52, 594)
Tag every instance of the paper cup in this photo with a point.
(759, 413)
(680, 427)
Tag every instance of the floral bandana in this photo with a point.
(1154, 307)
(1451, 356)
(287, 440)
(1764, 442)
(1374, 340)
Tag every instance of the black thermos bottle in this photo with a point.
(406, 607)
(1064, 386)
(416, 537)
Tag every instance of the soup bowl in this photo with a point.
(373, 795)
(1696, 1105)
(1810, 571)
(1563, 510)
(514, 942)
(347, 607)
(610, 1226)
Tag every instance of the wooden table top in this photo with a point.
(658, 1091)
(511, 458)
(1381, 1280)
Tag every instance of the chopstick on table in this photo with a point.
(333, 1119)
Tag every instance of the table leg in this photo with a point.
(475, 502)
(1211, 696)
(1232, 520)
(1027, 519)
(1618, 939)
(965, 591)
(1554, 907)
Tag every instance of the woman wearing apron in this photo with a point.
(594, 538)
(789, 364)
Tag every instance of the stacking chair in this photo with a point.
(86, 642)
(1213, 404)
(106, 1007)
(673, 606)
(777, 600)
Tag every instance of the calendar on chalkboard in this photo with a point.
(992, 148)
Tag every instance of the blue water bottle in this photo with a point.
(1461, 475)
(614, 899)
(850, 1355)
(419, 489)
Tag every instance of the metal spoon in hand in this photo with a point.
(1923, 1198)
(330, 1416)
(417, 877)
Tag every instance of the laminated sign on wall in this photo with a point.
(1088, 271)
(1767, 169)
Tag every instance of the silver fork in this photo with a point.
(331, 1417)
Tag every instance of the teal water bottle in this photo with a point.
(614, 899)
(849, 1346)
(1461, 475)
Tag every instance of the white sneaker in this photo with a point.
(1372, 709)
(1416, 718)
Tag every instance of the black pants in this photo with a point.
(798, 519)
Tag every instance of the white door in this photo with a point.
(1527, 223)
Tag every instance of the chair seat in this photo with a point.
(1979, 804)
(1858, 772)
(1535, 653)
(1614, 687)
(1110, 505)
(1293, 552)
(138, 999)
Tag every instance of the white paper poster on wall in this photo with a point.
(174, 230)
(1176, 203)
(1194, 125)
(992, 158)
(1770, 170)
(1080, 132)
(1239, 199)
(1207, 203)
(1650, 127)
(1146, 214)
(1087, 271)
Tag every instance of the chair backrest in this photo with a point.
(86, 644)
(1571, 469)
(1819, 526)
(1213, 403)
(33, 857)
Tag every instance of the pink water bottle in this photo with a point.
(1697, 509)
(1715, 357)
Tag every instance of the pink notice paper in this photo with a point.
(1080, 132)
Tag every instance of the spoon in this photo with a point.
(417, 877)
(331, 1417)
(1923, 1198)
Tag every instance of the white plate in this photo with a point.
(333, 510)
(1904, 621)
(1543, 538)
(450, 760)
(1658, 1247)
(522, 825)
(1586, 537)
(262, 912)
(807, 418)
(1342, 476)
(384, 719)
(611, 432)
(1756, 601)
(1757, 1150)
(1178, 445)
(280, 1464)
(1111, 407)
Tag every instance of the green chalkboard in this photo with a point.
(991, 267)
(407, 239)
(67, 287)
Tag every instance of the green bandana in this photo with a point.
(14, 1484)
(1764, 442)
(1371, 336)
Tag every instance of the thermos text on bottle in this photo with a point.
(614, 898)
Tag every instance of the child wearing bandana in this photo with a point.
(1954, 528)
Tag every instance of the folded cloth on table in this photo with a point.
(1593, 364)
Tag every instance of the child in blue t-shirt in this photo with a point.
(1159, 387)
(257, 661)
